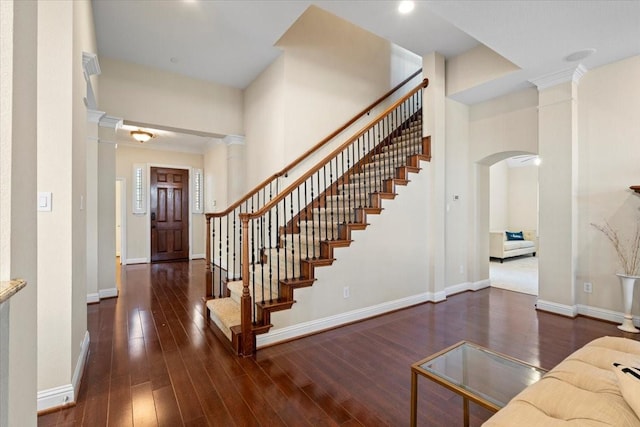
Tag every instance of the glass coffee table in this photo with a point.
(477, 374)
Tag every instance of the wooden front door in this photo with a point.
(169, 214)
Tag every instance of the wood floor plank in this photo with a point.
(166, 404)
(185, 393)
(143, 405)
(120, 409)
(154, 359)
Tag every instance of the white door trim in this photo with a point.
(123, 219)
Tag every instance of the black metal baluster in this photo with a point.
(253, 269)
(306, 218)
(326, 230)
(277, 231)
(396, 131)
(220, 255)
(313, 218)
(269, 251)
(346, 196)
(363, 171)
(293, 244)
(331, 184)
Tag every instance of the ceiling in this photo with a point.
(231, 42)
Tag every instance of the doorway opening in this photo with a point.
(513, 207)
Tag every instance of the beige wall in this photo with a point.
(404, 280)
(523, 198)
(474, 67)
(499, 196)
(65, 30)
(458, 197)
(514, 197)
(609, 155)
(18, 223)
(300, 98)
(138, 228)
(55, 169)
(264, 111)
(146, 95)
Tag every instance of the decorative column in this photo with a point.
(557, 180)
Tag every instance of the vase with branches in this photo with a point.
(627, 250)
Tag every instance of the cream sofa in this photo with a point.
(582, 390)
(501, 248)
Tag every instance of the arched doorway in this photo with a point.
(507, 200)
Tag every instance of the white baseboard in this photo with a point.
(467, 286)
(604, 314)
(137, 261)
(93, 298)
(108, 293)
(68, 393)
(102, 294)
(313, 326)
(198, 256)
(554, 307)
(82, 359)
(481, 284)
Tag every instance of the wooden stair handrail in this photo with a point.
(271, 203)
(311, 150)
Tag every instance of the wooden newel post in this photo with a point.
(208, 275)
(248, 339)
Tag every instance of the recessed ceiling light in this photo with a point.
(580, 55)
(405, 6)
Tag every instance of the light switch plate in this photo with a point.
(44, 201)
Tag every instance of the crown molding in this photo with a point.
(90, 64)
(234, 140)
(111, 122)
(563, 76)
(94, 116)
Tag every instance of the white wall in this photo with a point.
(146, 95)
(138, 228)
(18, 223)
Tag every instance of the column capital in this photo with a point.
(573, 74)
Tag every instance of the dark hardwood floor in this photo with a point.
(154, 360)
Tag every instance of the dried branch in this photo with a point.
(629, 256)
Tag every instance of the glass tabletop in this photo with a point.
(481, 373)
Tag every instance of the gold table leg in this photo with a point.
(465, 409)
(414, 398)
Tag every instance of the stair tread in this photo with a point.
(225, 313)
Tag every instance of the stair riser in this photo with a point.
(337, 216)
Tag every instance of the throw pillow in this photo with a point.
(629, 381)
(514, 235)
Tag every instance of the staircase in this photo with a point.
(270, 243)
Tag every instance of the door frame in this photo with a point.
(189, 169)
(123, 219)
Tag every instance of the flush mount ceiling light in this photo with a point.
(141, 136)
(405, 7)
(580, 55)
